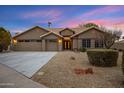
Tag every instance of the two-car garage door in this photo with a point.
(51, 45)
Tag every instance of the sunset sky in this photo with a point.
(21, 18)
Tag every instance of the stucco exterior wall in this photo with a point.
(30, 46)
(32, 34)
(66, 33)
(74, 44)
(50, 45)
(51, 36)
(91, 34)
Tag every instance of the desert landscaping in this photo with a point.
(60, 72)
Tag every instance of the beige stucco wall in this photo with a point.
(32, 34)
(51, 46)
(30, 46)
(74, 43)
(51, 36)
(66, 33)
(92, 34)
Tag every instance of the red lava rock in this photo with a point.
(89, 71)
(83, 71)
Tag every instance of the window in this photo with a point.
(86, 43)
(98, 43)
(39, 40)
(27, 40)
(30, 40)
(20, 40)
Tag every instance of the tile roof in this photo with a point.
(57, 30)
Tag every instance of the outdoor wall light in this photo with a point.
(60, 41)
(15, 41)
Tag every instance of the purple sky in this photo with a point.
(21, 18)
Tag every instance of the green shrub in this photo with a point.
(103, 57)
(83, 49)
(123, 62)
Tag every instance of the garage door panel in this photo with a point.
(28, 46)
(52, 45)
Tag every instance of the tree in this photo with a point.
(110, 36)
(5, 39)
(88, 25)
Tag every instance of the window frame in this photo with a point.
(86, 43)
(99, 43)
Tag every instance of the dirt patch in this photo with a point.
(59, 72)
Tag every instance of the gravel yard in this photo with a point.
(59, 72)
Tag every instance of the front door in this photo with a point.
(67, 45)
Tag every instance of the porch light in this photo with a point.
(15, 41)
(60, 40)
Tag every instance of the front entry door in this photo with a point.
(67, 45)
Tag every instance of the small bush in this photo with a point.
(114, 49)
(120, 50)
(123, 62)
(83, 49)
(1, 48)
(72, 58)
(103, 57)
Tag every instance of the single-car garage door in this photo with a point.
(51, 45)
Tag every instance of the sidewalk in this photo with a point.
(9, 78)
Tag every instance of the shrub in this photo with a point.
(114, 49)
(123, 62)
(83, 49)
(103, 57)
(72, 58)
(1, 48)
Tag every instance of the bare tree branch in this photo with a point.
(110, 36)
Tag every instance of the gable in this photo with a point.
(33, 33)
(67, 32)
(51, 36)
(91, 33)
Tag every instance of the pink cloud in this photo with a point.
(75, 23)
(108, 22)
(84, 17)
(100, 11)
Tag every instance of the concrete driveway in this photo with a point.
(27, 63)
(10, 78)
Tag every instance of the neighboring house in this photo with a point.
(118, 45)
(57, 39)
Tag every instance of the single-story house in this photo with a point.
(57, 39)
